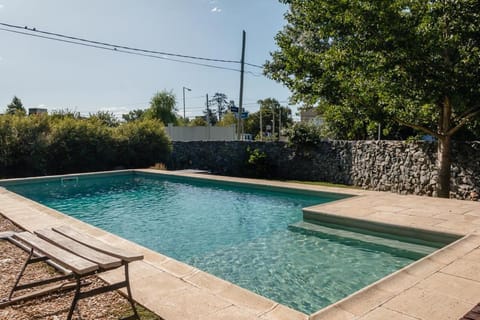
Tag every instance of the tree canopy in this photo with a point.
(219, 101)
(16, 107)
(273, 116)
(162, 107)
(133, 115)
(415, 62)
(106, 118)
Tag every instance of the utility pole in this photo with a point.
(273, 123)
(261, 125)
(240, 103)
(184, 88)
(279, 122)
(208, 113)
(208, 119)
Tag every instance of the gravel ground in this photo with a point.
(55, 306)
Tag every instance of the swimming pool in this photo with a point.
(253, 237)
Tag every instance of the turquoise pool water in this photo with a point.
(252, 237)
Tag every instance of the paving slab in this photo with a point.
(473, 255)
(179, 305)
(464, 268)
(333, 313)
(456, 250)
(207, 281)
(386, 314)
(231, 312)
(365, 301)
(255, 303)
(424, 268)
(452, 286)
(280, 312)
(398, 283)
(427, 305)
(177, 268)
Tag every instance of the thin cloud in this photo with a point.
(216, 10)
(1, 6)
(117, 111)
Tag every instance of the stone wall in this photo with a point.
(396, 166)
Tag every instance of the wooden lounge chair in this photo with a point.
(80, 254)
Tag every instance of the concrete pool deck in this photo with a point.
(443, 285)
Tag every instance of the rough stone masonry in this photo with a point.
(395, 166)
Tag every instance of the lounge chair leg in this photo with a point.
(75, 298)
(129, 292)
(27, 262)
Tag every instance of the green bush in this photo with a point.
(304, 135)
(79, 145)
(258, 165)
(142, 143)
(23, 145)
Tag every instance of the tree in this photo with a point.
(106, 118)
(344, 122)
(210, 116)
(228, 119)
(270, 110)
(198, 122)
(16, 107)
(61, 114)
(162, 107)
(133, 115)
(220, 102)
(413, 61)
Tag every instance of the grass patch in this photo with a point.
(324, 184)
(143, 313)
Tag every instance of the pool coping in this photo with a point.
(436, 286)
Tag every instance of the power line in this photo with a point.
(120, 50)
(116, 46)
(253, 65)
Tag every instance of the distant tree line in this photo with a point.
(273, 116)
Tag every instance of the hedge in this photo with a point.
(42, 144)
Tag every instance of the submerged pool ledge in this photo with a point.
(443, 285)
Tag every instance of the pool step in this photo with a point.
(69, 180)
(321, 230)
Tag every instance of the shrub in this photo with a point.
(23, 145)
(79, 145)
(258, 164)
(304, 135)
(142, 143)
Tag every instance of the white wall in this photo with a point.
(207, 133)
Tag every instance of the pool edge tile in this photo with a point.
(241, 297)
(333, 312)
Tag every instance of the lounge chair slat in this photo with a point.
(69, 260)
(6, 234)
(103, 260)
(97, 244)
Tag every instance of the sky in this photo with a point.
(56, 75)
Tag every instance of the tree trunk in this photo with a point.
(444, 161)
